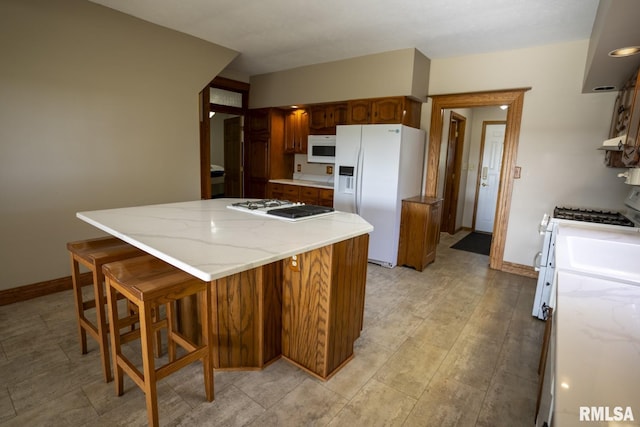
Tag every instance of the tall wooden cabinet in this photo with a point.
(264, 156)
(419, 231)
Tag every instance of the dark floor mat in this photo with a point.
(479, 243)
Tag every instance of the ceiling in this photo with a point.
(274, 35)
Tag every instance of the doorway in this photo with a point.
(513, 99)
(453, 168)
(223, 105)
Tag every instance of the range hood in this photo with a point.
(615, 26)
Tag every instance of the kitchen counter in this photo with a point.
(597, 321)
(271, 279)
(208, 240)
(304, 183)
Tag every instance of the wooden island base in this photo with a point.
(308, 309)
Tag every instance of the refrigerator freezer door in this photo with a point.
(379, 189)
(345, 183)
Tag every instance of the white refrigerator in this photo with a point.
(376, 167)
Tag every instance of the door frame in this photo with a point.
(205, 124)
(453, 168)
(480, 160)
(514, 100)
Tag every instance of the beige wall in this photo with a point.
(98, 110)
(561, 129)
(400, 72)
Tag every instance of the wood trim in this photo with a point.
(514, 99)
(519, 269)
(35, 290)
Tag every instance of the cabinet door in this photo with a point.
(336, 114)
(309, 195)
(432, 233)
(257, 157)
(259, 120)
(325, 197)
(317, 117)
(359, 112)
(387, 110)
(296, 132)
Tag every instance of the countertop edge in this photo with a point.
(302, 183)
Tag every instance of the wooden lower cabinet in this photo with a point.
(311, 313)
(419, 231)
(248, 318)
(330, 282)
(301, 193)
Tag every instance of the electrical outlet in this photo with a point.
(299, 167)
(329, 170)
(294, 264)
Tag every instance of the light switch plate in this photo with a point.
(517, 173)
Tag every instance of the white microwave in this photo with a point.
(321, 149)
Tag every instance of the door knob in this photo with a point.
(484, 184)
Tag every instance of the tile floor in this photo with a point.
(454, 345)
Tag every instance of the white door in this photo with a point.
(489, 177)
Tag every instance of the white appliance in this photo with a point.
(376, 167)
(321, 149)
(545, 264)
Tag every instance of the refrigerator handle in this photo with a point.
(359, 162)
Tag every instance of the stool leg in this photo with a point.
(171, 326)
(77, 294)
(98, 279)
(114, 332)
(158, 340)
(148, 365)
(207, 340)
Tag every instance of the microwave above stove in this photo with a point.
(321, 149)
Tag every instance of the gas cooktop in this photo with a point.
(592, 215)
(281, 209)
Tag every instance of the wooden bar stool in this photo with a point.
(93, 254)
(148, 282)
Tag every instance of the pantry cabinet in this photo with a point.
(626, 121)
(301, 193)
(419, 231)
(264, 154)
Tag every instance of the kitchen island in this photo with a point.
(281, 289)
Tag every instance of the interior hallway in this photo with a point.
(453, 345)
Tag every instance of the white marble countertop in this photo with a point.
(210, 241)
(304, 183)
(598, 324)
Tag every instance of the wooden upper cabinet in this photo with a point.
(323, 118)
(359, 112)
(296, 131)
(626, 121)
(389, 110)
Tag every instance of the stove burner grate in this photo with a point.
(592, 215)
(262, 204)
